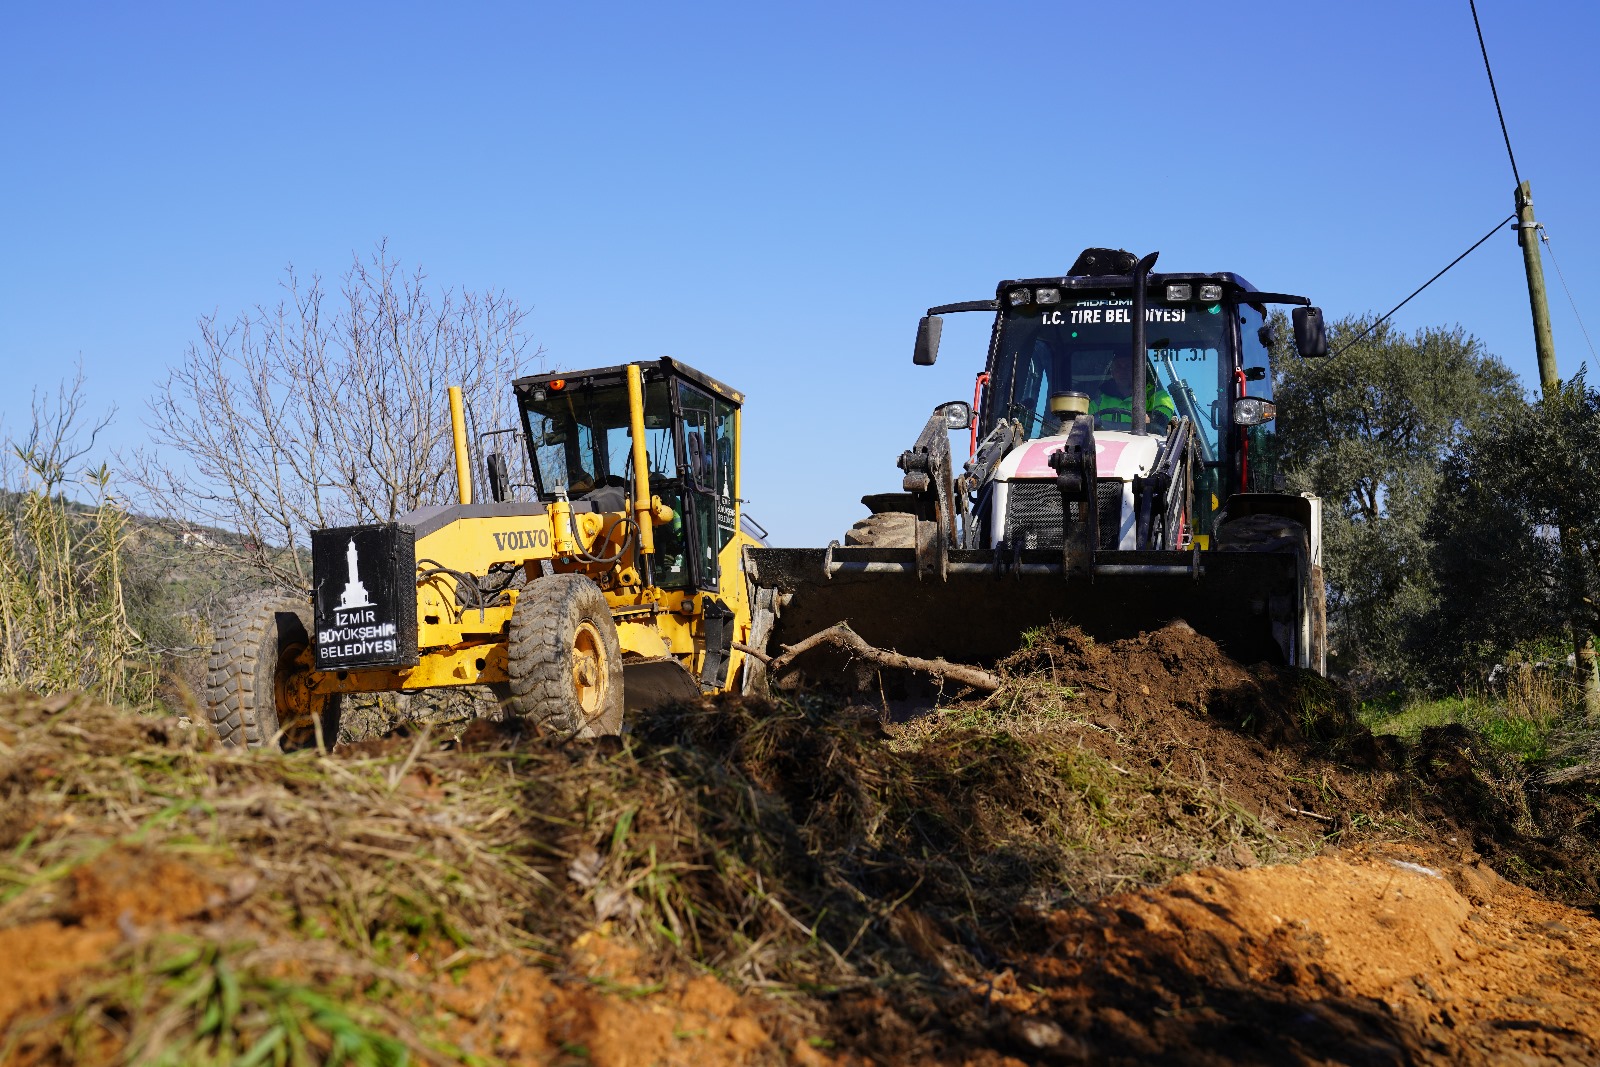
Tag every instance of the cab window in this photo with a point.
(581, 438)
(705, 472)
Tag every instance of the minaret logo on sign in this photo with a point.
(355, 594)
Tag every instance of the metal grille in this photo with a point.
(1033, 513)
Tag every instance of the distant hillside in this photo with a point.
(174, 582)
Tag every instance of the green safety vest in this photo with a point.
(1157, 401)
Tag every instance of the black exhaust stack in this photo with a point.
(1141, 274)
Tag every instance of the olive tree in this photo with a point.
(1516, 529)
(324, 409)
(1369, 430)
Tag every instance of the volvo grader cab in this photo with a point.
(607, 578)
(1121, 472)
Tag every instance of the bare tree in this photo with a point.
(325, 410)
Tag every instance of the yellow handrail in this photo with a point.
(641, 462)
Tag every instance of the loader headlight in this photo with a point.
(1179, 293)
(1019, 297)
(1048, 296)
(1253, 411)
(1210, 294)
(957, 414)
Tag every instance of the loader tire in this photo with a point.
(1262, 533)
(564, 658)
(1274, 533)
(256, 691)
(887, 529)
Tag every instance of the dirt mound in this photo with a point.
(163, 899)
(1172, 702)
(1123, 854)
(1374, 957)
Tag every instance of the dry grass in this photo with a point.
(792, 849)
(783, 848)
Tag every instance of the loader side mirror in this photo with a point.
(927, 349)
(499, 476)
(1309, 336)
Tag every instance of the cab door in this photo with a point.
(1257, 452)
(707, 456)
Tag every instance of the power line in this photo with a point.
(1427, 283)
(1544, 235)
(1495, 93)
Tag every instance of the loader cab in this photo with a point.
(1205, 349)
(580, 444)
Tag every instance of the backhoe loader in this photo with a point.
(1121, 473)
(615, 584)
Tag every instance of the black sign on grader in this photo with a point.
(365, 596)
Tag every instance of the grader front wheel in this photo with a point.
(256, 688)
(564, 658)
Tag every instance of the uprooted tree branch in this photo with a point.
(325, 410)
(841, 636)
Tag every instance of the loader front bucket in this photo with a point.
(1248, 602)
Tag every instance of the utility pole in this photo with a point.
(1550, 387)
(1543, 342)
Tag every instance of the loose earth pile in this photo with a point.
(1132, 851)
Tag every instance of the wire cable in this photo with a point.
(1496, 94)
(1425, 284)
(1544, 235)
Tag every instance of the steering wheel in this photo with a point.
(1100, 416)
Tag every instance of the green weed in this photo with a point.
(1516, 726)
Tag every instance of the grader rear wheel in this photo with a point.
(257, 691)
(564, 658)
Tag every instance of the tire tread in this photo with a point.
(547, 613)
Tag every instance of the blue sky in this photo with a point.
(772, 193)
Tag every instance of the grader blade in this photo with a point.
(1246, 602)
(651, 683)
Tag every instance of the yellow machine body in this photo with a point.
(688, 629)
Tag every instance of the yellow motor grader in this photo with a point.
(617, 585)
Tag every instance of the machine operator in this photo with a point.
(1114, 405)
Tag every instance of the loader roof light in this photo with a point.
(1019, 297)
(558, 384)
(1048, 296)
(1210, 293)
(1253, 411)
(1179, 292)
